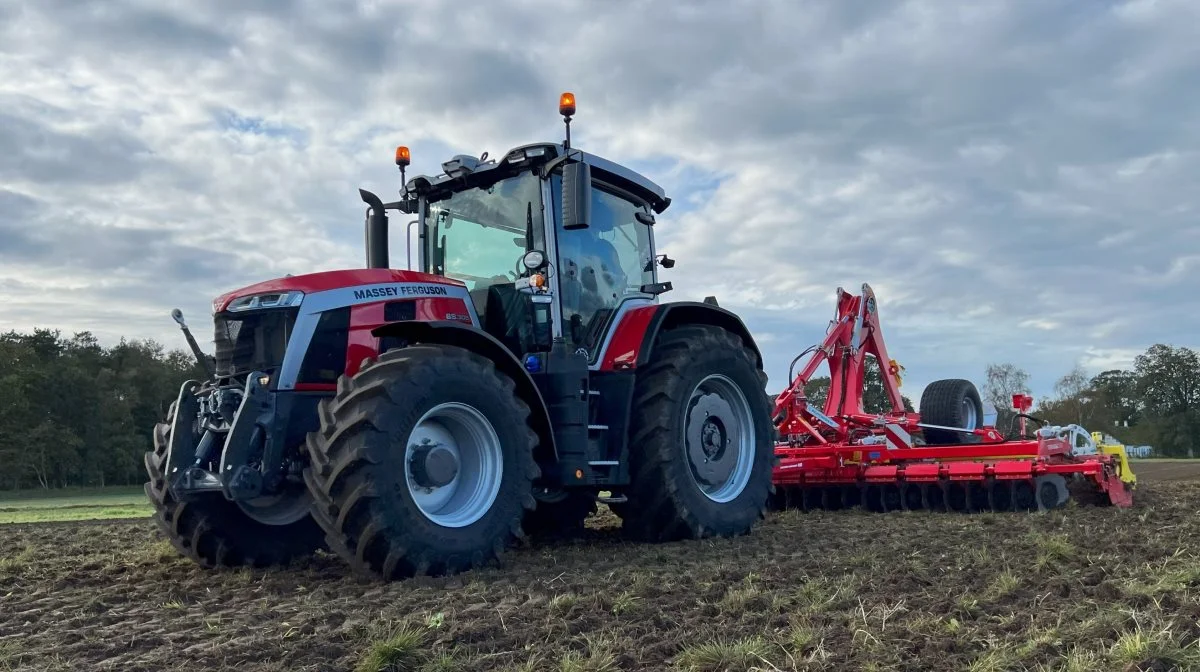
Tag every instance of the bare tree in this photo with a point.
(1003, 381)
(1072, 391)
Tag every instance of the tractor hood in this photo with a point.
(311, 283)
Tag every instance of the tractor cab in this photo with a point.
(551, 242)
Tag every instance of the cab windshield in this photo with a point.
(479, 235)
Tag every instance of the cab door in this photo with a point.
(603, 267)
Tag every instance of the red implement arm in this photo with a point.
(853, 335)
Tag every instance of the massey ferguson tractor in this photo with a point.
(419, 421)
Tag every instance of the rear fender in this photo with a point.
(633, 339)
(471, 338)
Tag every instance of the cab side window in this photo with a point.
(602, 265)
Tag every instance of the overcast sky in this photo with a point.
(1012, 178)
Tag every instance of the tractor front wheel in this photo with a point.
(215, 532)
(701, 449)
(423, 463)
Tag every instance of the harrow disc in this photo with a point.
(1041, 493)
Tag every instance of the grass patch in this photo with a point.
(720, 655)
(1141, 648)
(8, 497)
(1002, 584)
(81, 504)
(9, 653)
(599, 657)
(401, 651)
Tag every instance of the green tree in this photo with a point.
(1168, 385)
(73, 412)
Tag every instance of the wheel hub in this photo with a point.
(712, 437)
(708, 438)
(433, 466)
(454, 465)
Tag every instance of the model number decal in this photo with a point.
(458, 316)
(400, 290)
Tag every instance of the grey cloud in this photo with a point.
(34, 234)
(17, 237)
(31, 151)
(129, 27)
(983, 165)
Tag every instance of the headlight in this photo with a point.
(272, 300)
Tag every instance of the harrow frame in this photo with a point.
(840, 455)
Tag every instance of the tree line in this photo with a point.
(74, 413)
(1156, 403)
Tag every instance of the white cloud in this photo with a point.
(989, 168)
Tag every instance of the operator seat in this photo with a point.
(507, 315)
(591, 277)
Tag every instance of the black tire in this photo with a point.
(358, 473)
(213, 531)
(559, 513)
(1051, 491)
(946, 402)
(665, 500)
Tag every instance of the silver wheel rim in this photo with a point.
(285, 508)
(472, 441)
(970, 418)
(719, 438)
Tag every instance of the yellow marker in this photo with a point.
(1125, 472)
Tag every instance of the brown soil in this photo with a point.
(1083, 588)
(1167, 470)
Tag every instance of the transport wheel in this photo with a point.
(423, 464)
(951, 403)
(559, 512)
(701, 439)
(1050, 491)
(215, 532)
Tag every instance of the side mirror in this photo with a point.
(577, 196)
(533, 259)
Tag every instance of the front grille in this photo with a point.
(252, 342)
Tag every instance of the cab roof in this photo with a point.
(470, 169)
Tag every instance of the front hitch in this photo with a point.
(244, 441)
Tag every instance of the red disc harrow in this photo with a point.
(944, 458)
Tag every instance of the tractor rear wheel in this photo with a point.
(423, 463)
(215, 532)
(701, 449)
(951, 403)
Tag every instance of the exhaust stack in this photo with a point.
(376, 230)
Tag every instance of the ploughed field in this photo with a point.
(1083, 588)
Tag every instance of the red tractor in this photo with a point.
(419, 421)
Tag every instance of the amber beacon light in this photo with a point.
(566, 107)
(566, 104)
